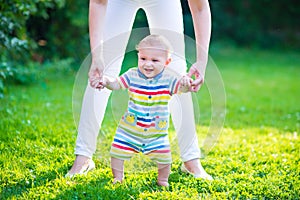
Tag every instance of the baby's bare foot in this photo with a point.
(115, 181)
(163, 183)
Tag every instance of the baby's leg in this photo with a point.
(163, 174)
(117, 167)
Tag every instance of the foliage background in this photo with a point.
(42, 31)
(59, 28)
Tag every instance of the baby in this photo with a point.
(144, 126)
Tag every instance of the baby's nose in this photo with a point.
(148, 63)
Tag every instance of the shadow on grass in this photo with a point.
(23, 186)
(83, 188)
(98, 185)
(102, 188)
(78, 187)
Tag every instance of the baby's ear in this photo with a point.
(168, 61)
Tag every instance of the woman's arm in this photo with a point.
(201, 16)
(97, 12)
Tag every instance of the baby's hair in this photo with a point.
(155, 42)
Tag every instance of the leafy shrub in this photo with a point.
(5, 72)
(63, 34)
(33, 72)
(15, 43)
(249, 23)
(13, 16)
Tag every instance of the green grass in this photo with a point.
(256, 157)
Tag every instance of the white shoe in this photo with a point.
(202, 175)
(90, 165)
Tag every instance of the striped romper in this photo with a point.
(144, 126)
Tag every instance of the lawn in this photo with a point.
(256, 156)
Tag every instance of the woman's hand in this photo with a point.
(96, 74)
(199, 77)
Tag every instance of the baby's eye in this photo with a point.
(143, 58)
(155, 60)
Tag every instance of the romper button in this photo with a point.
(149, 97)
(145, 129)
(143, 145)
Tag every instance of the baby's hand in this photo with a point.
(185, 83)
(109, 83)
(102, 83)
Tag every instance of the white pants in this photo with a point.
(165, 18)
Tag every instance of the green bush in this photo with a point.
(14, 37)
(16, 45)
(266, 24)
(5, 72)
(63, 34)
(45, 30)
(33, 72)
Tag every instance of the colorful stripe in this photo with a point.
(124, 82)
(149, 93)
(158, 87)
(150, 113)
(149, 103)
(150, 97)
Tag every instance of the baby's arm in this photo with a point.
(110, 83)
(185, 84)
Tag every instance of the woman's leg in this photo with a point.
(118, 23)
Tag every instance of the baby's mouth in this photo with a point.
(148, 70)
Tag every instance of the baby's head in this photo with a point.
(154, 53)
(157, 42)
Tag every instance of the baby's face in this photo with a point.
(152, 61)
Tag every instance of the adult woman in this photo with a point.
(109, 19)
